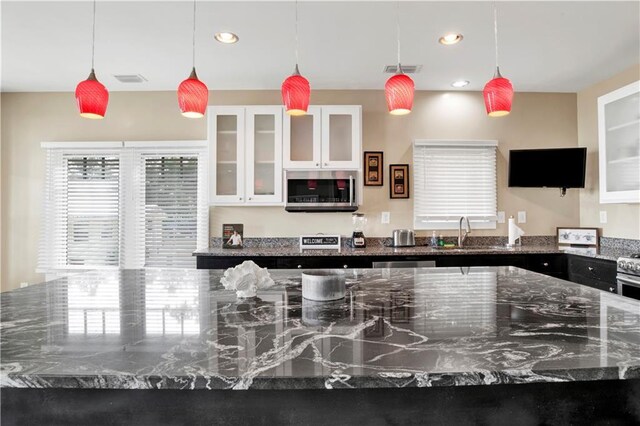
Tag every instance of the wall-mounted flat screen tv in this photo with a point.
(551, 168)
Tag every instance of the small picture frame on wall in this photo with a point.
(398, 181)
(232, 235)
(373, 168)
(578, 236)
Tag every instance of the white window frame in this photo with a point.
(126, 151)
(449, 222)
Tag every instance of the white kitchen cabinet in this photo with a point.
(302, 140)
(226, 155)
(328, 137)
(619, 145)
(245, 153)
(264, 154)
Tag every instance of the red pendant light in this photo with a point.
(399, 88)
(296, 93)
(193, 95)
(91, 95)
(498, 93)
(399, 91)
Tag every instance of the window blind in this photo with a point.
(167, 213)
(454, 179)
(139, 206)
(169, 200)
(81, 226)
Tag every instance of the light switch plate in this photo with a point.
(603, 216)
(385, 217)
(522, 217)
(500, 217)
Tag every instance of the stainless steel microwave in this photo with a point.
(321, 191)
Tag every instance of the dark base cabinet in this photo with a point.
(596, 273)
(554, 265)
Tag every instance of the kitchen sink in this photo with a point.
(457, 249)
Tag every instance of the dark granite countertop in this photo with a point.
(150, 329)
(601, 253)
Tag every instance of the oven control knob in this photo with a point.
(636, 267)
(622, 264)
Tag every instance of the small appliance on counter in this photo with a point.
(357, 238)
(403, 238)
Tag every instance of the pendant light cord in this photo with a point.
(398, 31)
(296, 33)
(93, 36)
(495, 30)
(194, 35)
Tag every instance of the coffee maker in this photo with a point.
(357, 238)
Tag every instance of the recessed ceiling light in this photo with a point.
(450, 38)
(226, 37)
(460, 83)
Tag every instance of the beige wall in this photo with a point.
(623, 220)
(538, 119)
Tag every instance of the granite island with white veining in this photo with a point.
(161, 330)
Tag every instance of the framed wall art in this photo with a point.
(373, 168)
(398, 181)
(578, 236)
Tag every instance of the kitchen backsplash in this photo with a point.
(531, 240)
(258, 242)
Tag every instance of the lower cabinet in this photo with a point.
(323, 262)
(224, 262)
(482, 260)
(554, 265)
(596, 273)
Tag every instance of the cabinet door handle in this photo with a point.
(612, 289)
(299, 266)
(240, 198)
(545, 264)
(345, 266)
(317, 164)
(590, 268)
(326, 164)
(250, 198)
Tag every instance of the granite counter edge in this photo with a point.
(381, 380)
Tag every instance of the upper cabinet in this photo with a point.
(619, 143)
(327, 137)
(245, 152)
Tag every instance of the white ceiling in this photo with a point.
(544, 46)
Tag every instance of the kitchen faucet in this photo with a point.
(467, 231)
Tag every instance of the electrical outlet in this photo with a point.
(385, 217)
(603, 216)
(522, 217)
(24, 284)
(500, 217)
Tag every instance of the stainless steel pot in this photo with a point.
(403, 238)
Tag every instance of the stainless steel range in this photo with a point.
(629, 276)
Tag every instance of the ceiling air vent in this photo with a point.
(407, 69)
(134, 78)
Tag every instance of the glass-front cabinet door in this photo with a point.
(264, 154)
(226, 155)
(619, 137)
(341, 138)
(301, 141)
